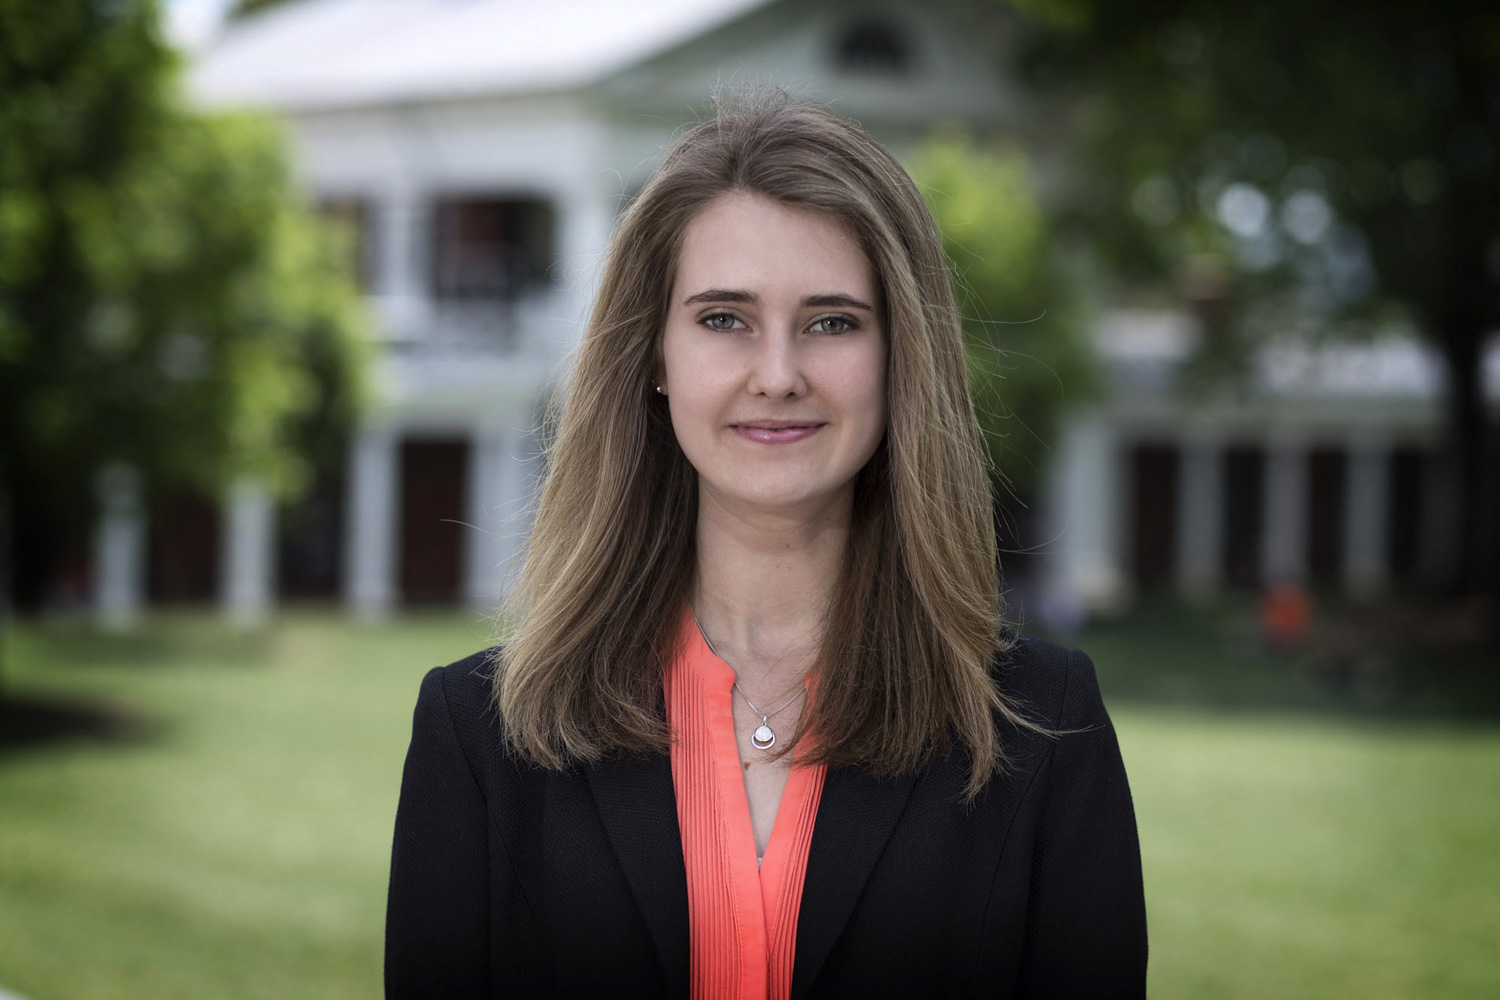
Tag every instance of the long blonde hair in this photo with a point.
(912, 634)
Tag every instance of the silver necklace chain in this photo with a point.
(764, 737)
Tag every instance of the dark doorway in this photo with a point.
(183, 548)
(1327, 484)
(1153, 495)
(1244, 514)
(434, 482)
(310, 543)
(51, 562)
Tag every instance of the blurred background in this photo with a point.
(285, 287)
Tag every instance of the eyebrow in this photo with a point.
(832, 300)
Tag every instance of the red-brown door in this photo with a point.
(434, 481)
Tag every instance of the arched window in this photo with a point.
(871, 47)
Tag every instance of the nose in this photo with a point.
(776, 370)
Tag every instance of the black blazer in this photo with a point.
(511, 881)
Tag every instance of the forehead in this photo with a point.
(748, 242)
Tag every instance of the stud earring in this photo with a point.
(659, 390)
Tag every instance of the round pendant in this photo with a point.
(762, 738)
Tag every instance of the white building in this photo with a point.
(1324, 468)
(482, 149)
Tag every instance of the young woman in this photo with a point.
(759, 730)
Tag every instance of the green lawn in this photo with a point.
(232, 840)
(238, 847)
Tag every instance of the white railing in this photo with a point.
(420, 325)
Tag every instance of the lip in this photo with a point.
(776, 431)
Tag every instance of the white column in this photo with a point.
(1366, 514)
(499, 504)
(1086, 500)
(401, 258)
(481, 569)
(1284, 543)
(119, 547)
(401, 251)
(248, 556)
(1200, 518)
(373, 512)
(586, 217)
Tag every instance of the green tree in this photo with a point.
(1295, 168)
(1028, 357)
(245, 8)
(166, 300)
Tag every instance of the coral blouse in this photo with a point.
(742, 911)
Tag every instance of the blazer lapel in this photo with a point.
(639, 810)
(856, 817)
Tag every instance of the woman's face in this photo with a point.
(775, 355)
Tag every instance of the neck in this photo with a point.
(763, 586)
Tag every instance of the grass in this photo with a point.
(1303, 858)
(1305, 834)
(227, 833)
(236, 844)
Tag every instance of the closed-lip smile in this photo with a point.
(776, 431)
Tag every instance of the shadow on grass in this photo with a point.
(1381, 665)
(35, 720)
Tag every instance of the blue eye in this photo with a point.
(721, 321)
(834, 324)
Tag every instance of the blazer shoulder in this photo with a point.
(473, 672)
(1055, 684)
(462, 692)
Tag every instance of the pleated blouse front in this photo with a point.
(742, 914)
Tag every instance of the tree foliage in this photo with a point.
(1292, 168)
(245, 8)
(166, 300)
(1028, 358)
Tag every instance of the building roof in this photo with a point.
(339, 53)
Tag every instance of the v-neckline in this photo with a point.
(743, 909)
(718, 677)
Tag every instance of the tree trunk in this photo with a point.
(7, 570)
(1468, 451)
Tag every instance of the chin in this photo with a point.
(785, 497)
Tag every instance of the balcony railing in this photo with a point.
(414, 324)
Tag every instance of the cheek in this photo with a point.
(877, 420)
(667, 351)
(691, 402)
(876, 406)
(864, 388)
(685, 358)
